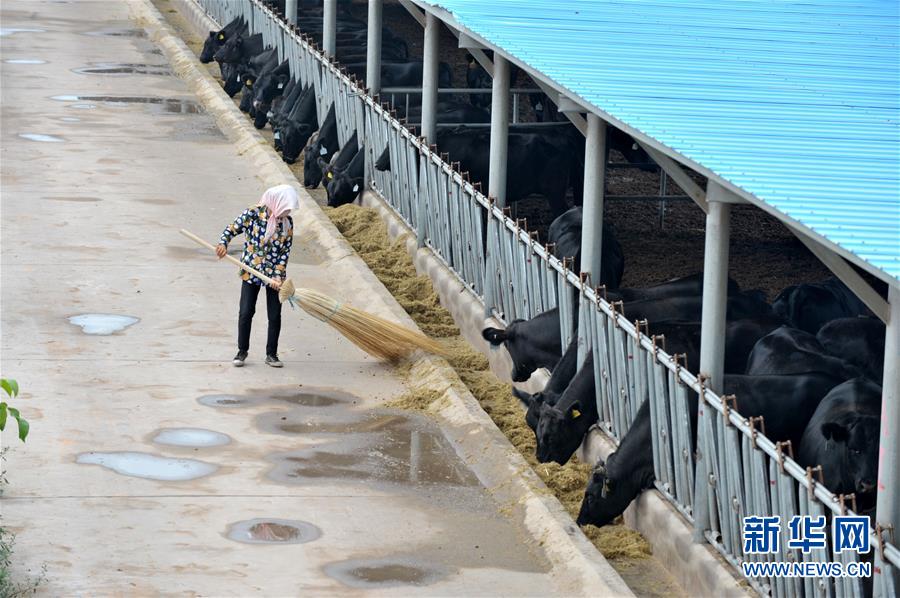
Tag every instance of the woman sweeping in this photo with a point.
(268, 235)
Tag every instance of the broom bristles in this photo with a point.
(373, 334)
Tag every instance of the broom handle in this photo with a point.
(230, 258)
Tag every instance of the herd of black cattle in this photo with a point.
(809, 364)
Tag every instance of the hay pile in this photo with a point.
(365, 231)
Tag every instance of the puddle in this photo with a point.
(192, 437)
(24, 61)
(273, 531)
(313, 399)
(44, 138)
(70, 119)
(382, 447)
(167, 105)
(111, 32)
(226, 401)
(4, 31)
(102, 324)
(108, 68)
(385, 573)
(148, 466)
(83, 106)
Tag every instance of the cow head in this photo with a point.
(853, 449)
(535, 404)
(269, 87)
(211, 45)
(232, 78)
(246, 104)
(607, 495)
(560, 432)
(312, 172)
(342, 188)
(384, 160)
(523, 364)
(262, 114)
(230, 50)
(294, 138)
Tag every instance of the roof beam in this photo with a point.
(681, 178)
(417, 13)
(848, 276)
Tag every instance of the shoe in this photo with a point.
(238, 360)
(273, 361)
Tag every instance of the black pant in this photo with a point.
(249, 293)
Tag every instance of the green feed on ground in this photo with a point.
(367, 234)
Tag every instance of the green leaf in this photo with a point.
(6, 386)
(24, 427)
(2, 416)
(15, 387)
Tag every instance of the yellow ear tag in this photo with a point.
(249, 82)
(576, 413)
(221, 37)
(330, 176)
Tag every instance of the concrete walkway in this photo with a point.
(105, 155)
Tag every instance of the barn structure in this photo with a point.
(791, 107)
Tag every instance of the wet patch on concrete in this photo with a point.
(102, 324)
(41, 137)
(117, 32)
(160, 105)
(149, 466)
(378, 446)
(118, 68)
(273, 531)
(191, 437)
(70, 119)
(227, 401)
(24, 61)
(312, 398)
(382, 573)
(4, 31)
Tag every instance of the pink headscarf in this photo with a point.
(281, 200)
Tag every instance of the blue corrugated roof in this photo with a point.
(794, 103)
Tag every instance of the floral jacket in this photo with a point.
(270, 259)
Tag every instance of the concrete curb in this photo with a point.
(696, 567)
(578, 566)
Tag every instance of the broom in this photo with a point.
(376, 336)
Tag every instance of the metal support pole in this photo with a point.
(329, 28)
(715, 289)
(290, 11)
(430, 77)
(888, 504)
(499, 131)
(712, 342)
(594, 175)
(373, 48)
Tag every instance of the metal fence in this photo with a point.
(739, 472)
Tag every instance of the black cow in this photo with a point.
(531, 344)
(240, 49)
(561, 427)
(842, 436)
(347, 182)
(565, 234)
(787, 350)
(217, 39)
(784, 402)
(559, 380)
(478, 78)
(261, 63)
(280, 114)
(741, 306)
(808, 306)
(270, 84)
(859, 341)
(740, 338)
(686, 286)
(300, 124)
(626, 473)
(340, 159)
(322, 146)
